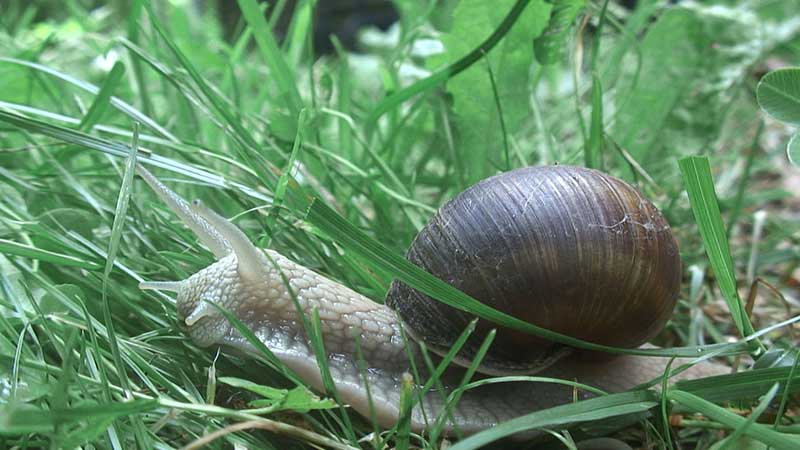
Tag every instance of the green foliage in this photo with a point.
(336, 161)
(298, 399)
(477, 113)
(779, 95)
(693, 61)
(700, 187)
(550, 47)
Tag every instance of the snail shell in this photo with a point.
(566, 248)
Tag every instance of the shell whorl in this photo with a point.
(570, 249)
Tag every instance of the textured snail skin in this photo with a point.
(258, 286)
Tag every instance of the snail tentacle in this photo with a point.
(207, 234)
(171, 286)
(248, 257)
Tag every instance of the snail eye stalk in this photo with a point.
(206, 232)
(171, 286)
(248, 257)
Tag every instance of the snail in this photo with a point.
(570, 249)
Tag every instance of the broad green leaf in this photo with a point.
(700, 186)
(477, 113)
(779, 94)
(451, 70)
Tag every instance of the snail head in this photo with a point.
(221, 283)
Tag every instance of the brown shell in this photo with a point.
(567, 248)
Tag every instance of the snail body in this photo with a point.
(561, 225)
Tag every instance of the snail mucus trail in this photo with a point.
(569, 249)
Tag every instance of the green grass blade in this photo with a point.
(754, 415)
(732, 420)
(222, 107)
(284, 77)
(120, 213)
(700, 187)
(314, 330)
(127, 109)
(741, 386)
(101, 101)
(583, 411)
(28, 251)
(299, 31)
(593, 150)
(119, 149)
(18, 419)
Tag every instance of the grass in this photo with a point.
(336, 162)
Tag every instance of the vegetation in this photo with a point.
(337, 160)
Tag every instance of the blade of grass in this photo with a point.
(283, 181)
(120, 213)
(583, 411)
(754, 415)
(593, 152)
(402, 438)
(119, 149)
(736, 208)
(222, 107)
(741, 386)
(703, 198)
(434, 380)
(134, 15)
(455, 396)
(756, 431)
(785, 396)
(27, 251)
(101, 101)
(284, 77)
(593, 148)
(299, 30)
(127, 109)
(318, 345)
(344, 101)
(499, 106)
(22, 419)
